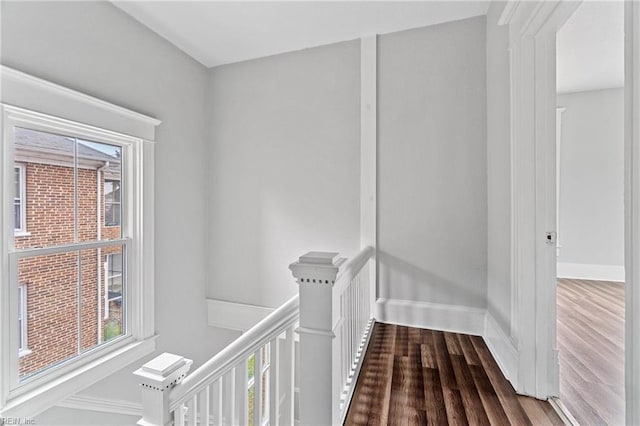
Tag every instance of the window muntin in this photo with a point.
(61, 259)
(19, 199)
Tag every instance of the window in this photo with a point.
(111, 202)
(65, 247)
(22, 321)
(71, 341)
(19, 200)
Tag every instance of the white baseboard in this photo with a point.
(591, 272)
(103, 405)
(502, 349)
(234, 316)
(435, 316)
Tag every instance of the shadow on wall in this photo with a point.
(404, 281)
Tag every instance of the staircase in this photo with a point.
(298, 365)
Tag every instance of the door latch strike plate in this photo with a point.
(550, 237)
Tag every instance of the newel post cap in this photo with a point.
(317, 267)
(164, 371)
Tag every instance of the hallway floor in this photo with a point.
(591, 344)
(413, 376)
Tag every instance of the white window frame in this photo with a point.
(23, 347)
(118, 203)
(22, 231)
(29, 102)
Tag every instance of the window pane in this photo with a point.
(51, 283)
(112, 191)
(64, 190)
(48, 161)
(98, 185)
(102, 290)
(17, 218)
(113, 292)
(112, 217)
(112, 202)
(21, 332)
(17, 201)
(16, 193)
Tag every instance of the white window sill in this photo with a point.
(21, 234)
(39, 398)
(23, 352)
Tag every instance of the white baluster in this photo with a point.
(204, 406)
(287, 378)
(192, 411)
(241, 393)
(229, 398)
(180, 415)
(217, 402)
(274, 382)
(257, 388)
(156, 378)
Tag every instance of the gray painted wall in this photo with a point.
(284, 168)
(58, 416)
(95, 48)
(591, 228)
(498, 170)
(432, 181)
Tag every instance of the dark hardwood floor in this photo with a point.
(412, 376)
(591, 345)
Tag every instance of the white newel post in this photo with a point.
(316, 273)
(157, 377)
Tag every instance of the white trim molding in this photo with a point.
(235, 316)
(36, 94)
(532, 27)
(502, 348)
(632, 210)
(368, 153)
(584, 271)
(435, 316)
(102, 405)
(53, 392)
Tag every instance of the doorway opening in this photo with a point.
(590, 213)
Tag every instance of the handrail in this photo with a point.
(353, 267)
(256, 337)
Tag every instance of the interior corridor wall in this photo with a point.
(498, 170)
(432, 175)
(591, 229)
(95, 48)
(284, 168)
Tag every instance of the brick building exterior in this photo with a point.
(69, 302)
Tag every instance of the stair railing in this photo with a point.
(248, 382)
(253, 380)
(336, 299)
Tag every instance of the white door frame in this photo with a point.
(532, 34)
(632, 211)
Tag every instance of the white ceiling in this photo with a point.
(591, 48)
(216, 33)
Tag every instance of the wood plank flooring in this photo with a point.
(413, 376)
(591, 345)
